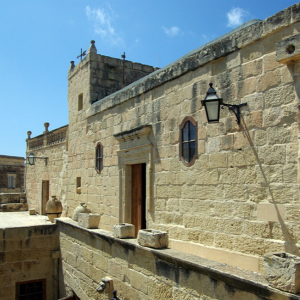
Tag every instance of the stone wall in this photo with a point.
(106, 75)
(54, 170)
(142, 273)
(240, 199)
(241, 195)
(27, 254)
(54, 173)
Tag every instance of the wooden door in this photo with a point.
(45, 195)
(138, 196)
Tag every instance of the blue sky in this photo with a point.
(40, 38)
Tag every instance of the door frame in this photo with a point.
(45, 196)
(135, 148)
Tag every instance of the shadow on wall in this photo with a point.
(290, 241)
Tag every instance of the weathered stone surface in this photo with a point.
(26, 251)
(143, 273)
(288, 50)
(88, 220)
(124, 231)
(239, 166)
(153, 238)
(282, 271)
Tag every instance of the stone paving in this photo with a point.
(21, 219)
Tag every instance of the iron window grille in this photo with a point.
(31, 290)
(99, 157)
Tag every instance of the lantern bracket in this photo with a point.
(31, 159)
(235, 109)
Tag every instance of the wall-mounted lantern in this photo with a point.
(31, 159)
(212, 104)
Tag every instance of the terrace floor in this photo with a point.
(21, 219)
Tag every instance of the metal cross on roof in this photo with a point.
(81, 54)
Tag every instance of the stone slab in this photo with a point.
(88, 220)
(22, 219)
(271, 212)
(288, 50)
(153, 238)
(124, 231)
(282, 271)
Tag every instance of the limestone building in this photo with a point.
(145, 154)
(12, 171)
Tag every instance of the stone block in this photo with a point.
(246, 87)
(282, 271)
(32, 211)
(124, 231)
(233, 60)
(219, 66)
(268, 80)
(153, 238)
(213, 145)
(288, 50)
(269, 43)
(218, 160)
(252, 68)
(251, 52)
(88, 220)
(271, 212)
(270, 63)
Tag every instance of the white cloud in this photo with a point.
(102, 20)
(236, 17)
(173, 31)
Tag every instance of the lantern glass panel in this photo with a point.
(31, 159)
(212, 110)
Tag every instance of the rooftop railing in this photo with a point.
(48, 138)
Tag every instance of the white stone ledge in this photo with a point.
(245, 280)
(235, 259)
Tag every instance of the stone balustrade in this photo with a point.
(48, 138)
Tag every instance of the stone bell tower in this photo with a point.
(97, 76)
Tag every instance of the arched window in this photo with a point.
(188, 143)
(99, 157)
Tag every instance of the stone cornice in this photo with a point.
(248, 33)
(133, 134)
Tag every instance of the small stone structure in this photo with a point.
(153, 238)
(124, 231)
(87, 220)
(282, 271)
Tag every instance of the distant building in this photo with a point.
(12, 193)
(12, 171)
